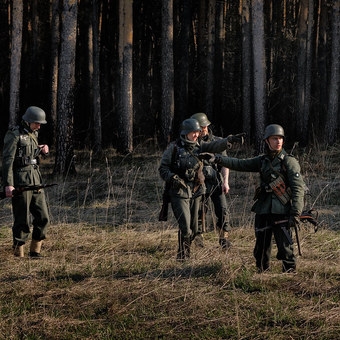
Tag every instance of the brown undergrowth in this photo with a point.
(109, 270)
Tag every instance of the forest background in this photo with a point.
(117, 77)
(121, 73)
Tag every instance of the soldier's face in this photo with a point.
(34, 126)
(193, 135)
(275, 143)
(204, 131)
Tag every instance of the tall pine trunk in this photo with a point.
(97, 121)
(167, 114)
(183, 67)
(66, 80)
(246, 67)
(125, 113)
(16, 44)
(209, 97)
(220, 111)
(259, 71)
(333, 99)
(55, 38)
(301, 77)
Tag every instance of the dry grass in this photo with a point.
(110, 270)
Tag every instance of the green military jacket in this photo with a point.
(181, 162)
(269, 169)
(212, 172)
(19, 165)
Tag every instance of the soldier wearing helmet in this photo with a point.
(181, 168)
(217, 183)
(280, 196)
(20, 168)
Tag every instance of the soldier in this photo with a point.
(279, 197)
(20, 168)
(182, 169)
(217, 183)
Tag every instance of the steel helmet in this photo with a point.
(202, 118)
(189, 125)
(34, 114)
(273, 130)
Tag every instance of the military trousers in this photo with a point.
(265, 227)
(219, 201)
(186, 214)
(23, 204)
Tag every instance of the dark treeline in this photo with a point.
(113, 73)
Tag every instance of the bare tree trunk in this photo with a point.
(16, 44)
(308, 81)
(323, 61)
(202, 52)
(167, 62)
(125, 70)
(220, 111)
(209, 97)
(185, 22)
(301, 78)
(97, 121)
(333, 99)
(55, 38)
(259, 71)
(246, 67)
(66, 80)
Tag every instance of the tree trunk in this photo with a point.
(333, 99)
(301, 78)
(220, 111)
(16, 44)
(259, 71)
(246, 68)
(125, 70)
(183, 67)
(66, 80)
(97, 122)
(167, 72)
(323, 62)
(209, 97)
(202, 39)
(55, 38)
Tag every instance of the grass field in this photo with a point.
(109, 270)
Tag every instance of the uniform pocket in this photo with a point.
(22, 177)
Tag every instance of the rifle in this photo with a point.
(20, 190)
(306, 216)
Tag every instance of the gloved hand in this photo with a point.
(239, 138)
(293, 221)
(210, 157)
(207, 156)
(177, 182)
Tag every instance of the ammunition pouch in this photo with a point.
(280, 190)
(190, 175)
(24, 161)
(209, 172)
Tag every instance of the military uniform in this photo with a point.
(268, 207)
(214, 181)
(20, 168)
(185, 199)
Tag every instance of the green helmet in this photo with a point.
(273, 130)
(34, 114)
(202, 118)
(189, 125)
